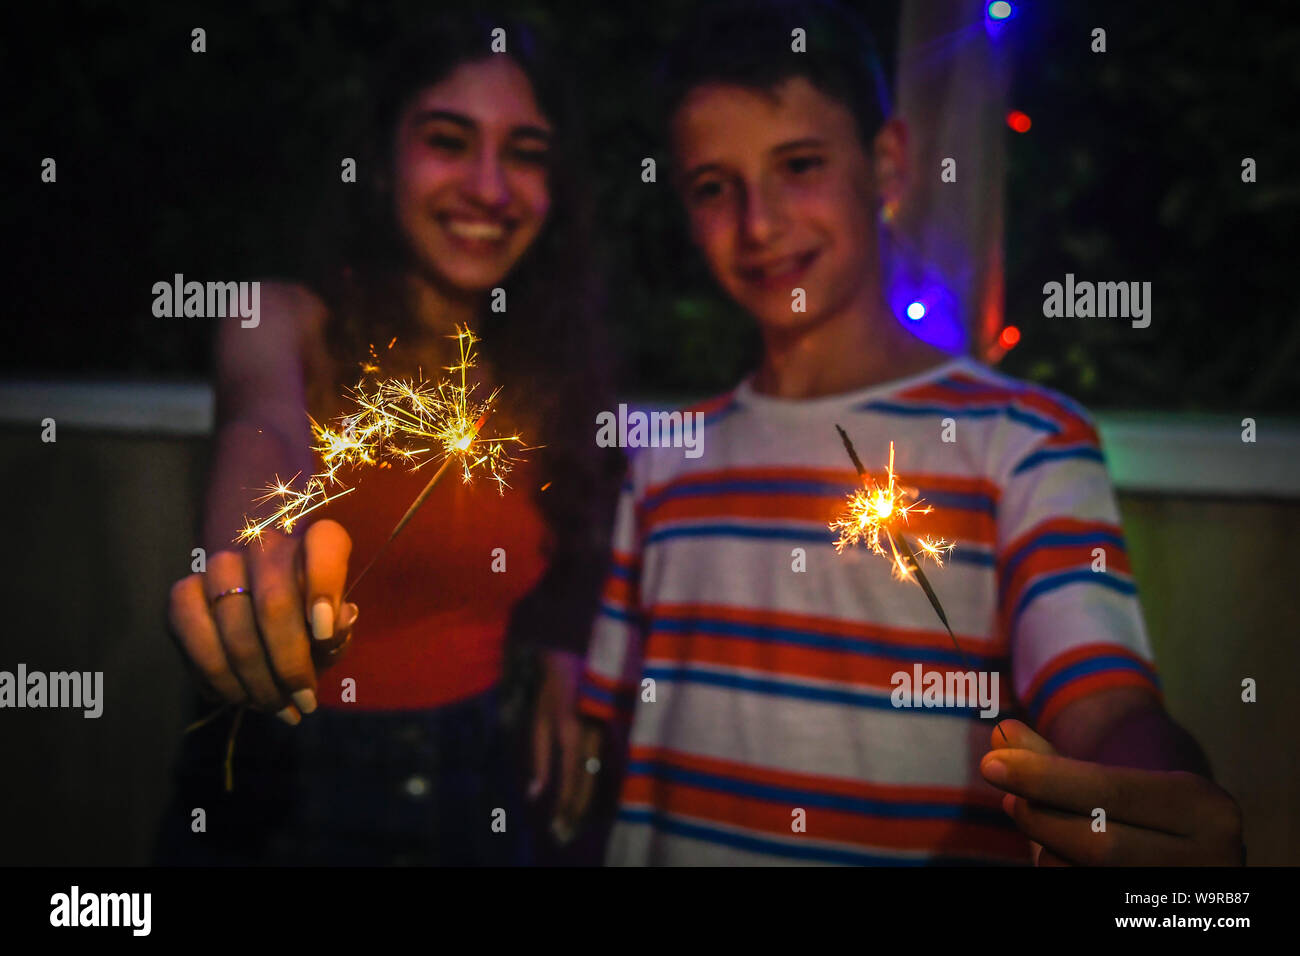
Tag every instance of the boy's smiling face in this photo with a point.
(781, 194)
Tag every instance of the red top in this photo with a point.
(432, 613)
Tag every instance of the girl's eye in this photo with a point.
(533, 157)
(804, 164)
(451, 144)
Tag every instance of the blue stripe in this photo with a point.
(1055, 539)
(1090, 453)
(982, 559)
(808, 536)
(621, 571)
(695, 831)
(1086, 668)
(1010, 411)
(598, 693)
(790, 796)
(824, 695)
(959, 500)
(821, 640)
(1053, 582)
(618, 614)
(714, 417)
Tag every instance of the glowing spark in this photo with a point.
(411, 422)
(876, 513)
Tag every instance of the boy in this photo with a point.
(757, 667)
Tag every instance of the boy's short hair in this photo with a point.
(748, 43)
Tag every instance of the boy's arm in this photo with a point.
(1095, 809)
(1123, 727)
(1119, 782)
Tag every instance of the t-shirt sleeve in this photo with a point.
(608, 689)
(1066, 597)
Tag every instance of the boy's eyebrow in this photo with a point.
(791, 146)
(794, 144)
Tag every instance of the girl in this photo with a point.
(395, 753)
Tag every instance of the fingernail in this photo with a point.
(290, 716)
(995, 771)
(322, 619)
(348, 617)
(305, 699)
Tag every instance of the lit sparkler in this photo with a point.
(412, 422)
(877, 511)
(395, 421)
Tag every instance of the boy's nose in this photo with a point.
(763, 217)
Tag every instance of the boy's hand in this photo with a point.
(1153, 818)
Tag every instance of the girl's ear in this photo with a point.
(889, 152)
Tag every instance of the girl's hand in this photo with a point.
(560, 736)
(262, 646)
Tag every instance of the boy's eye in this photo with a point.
(706, 190)
(804, 164)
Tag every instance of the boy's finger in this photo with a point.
(1071, 836)
(1019, 737)
(1158, 801)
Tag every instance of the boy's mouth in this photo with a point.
(779, 273)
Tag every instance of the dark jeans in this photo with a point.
(352, 788)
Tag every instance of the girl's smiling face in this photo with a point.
(470, 177)
(780, 194)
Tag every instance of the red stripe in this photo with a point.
(953, 524)
(1092, 684)
(783, 660)
(619, 591)
(1058, 525)
(1049, 560)
(818, 783)
(1077, 654)
(1071, 424)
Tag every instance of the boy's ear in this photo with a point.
(889, 150)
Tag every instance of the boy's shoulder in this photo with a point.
(675, 437)
(970, 388)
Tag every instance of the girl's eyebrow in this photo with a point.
(446, 116)
(522, 131)
(527, 131)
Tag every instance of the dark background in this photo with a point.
(217, 165)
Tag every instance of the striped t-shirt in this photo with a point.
(757, 664)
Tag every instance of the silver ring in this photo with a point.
(212, 602)
(592, 766)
